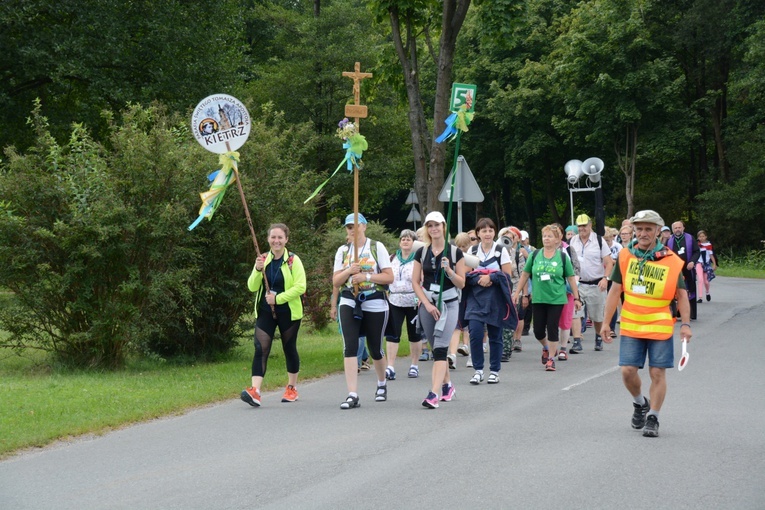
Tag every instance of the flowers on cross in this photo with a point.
(346, 129)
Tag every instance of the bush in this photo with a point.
(94, 240)
(320, 278)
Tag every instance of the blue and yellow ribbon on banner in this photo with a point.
(455, 123)
(221, 180)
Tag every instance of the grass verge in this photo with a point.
(39, 406)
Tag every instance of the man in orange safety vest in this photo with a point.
(650, 276)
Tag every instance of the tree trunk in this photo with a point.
(627, 161)
(406, 51)
(429, 157)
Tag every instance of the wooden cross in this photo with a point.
(356, 110)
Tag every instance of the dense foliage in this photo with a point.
(95, 247)
(99, 185)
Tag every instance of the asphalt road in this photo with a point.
(535, 440)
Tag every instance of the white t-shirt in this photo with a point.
(483, 256)
(590, 257)
(368, 265)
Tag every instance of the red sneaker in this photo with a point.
(290, 394)
(251, 396)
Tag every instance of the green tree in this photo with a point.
(81, 57)
(620, 89)
(410, 22)
(95, 243)
(298, 59)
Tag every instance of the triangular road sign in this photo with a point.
(465, 186)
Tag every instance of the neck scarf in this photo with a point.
(403, 260)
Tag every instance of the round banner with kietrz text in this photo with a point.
(220, 123)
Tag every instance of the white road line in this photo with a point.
(605, 372)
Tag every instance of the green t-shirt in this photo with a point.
(549, 277)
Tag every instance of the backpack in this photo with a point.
(497, 252)
(518, 268)
(453, 254)
(562, 257)
(290, 261)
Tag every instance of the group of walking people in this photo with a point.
(486, 286)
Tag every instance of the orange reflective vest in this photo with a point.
(647, 295)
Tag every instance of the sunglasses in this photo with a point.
(474, 239)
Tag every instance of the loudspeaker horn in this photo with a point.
(592, 168)
(573, 170)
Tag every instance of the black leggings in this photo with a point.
(372, 325)
(398, 315)
(265, 327)
(546, 317)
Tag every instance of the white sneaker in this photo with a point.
(477, 378)
(452, 359)
(469, 363)
(464, 350)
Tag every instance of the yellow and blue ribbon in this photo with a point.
(221, 180)
(456, 122)
(354, 149)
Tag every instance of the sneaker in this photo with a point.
(598, 343)
(251, 396)
(464, 350)
(651, 428)
(493, 378)
(469, 363)
(550, 365)
(381, 395)
(425, 356)
(638, 415)
(350, 402)
(709, 297)
(390, 374)
(699, 300)
(613, 334)
(431, 401)
(290, 394)
(414, 372)
(477, 378)
(577, 347)
(452, 361)
(517, 346)
(485, 347)
(588, 323)
(562, 356)
(365, 365)
(447, 392)
(545, 356)
(506, 356)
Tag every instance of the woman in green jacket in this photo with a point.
(281, 306)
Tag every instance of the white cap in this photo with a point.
(524, 235)
(434, 216)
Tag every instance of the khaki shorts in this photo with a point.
(595, 299)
